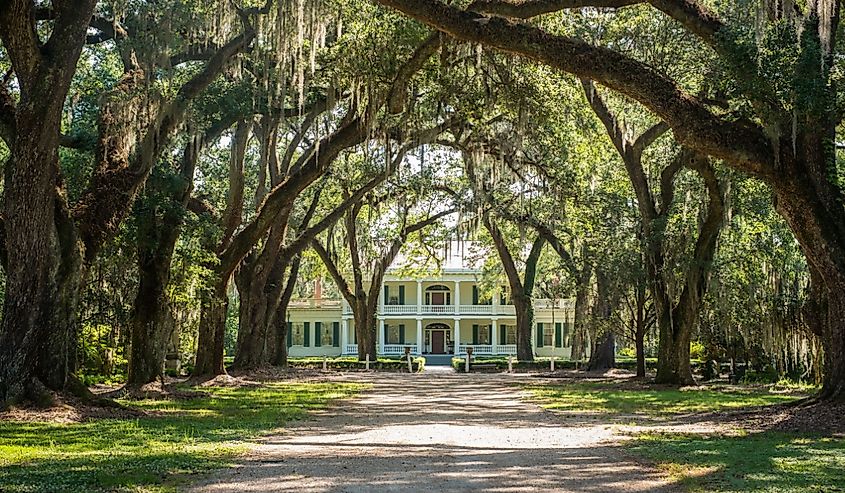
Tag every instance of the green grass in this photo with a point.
(609, 398)
(156, 453)
(760, 462)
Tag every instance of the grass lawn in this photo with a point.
(768, 461)
(610, 398)
(156, 453)
(756, 462)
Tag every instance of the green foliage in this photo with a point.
(697, 351)
(179, 438)
(101, 359)
(758, 462)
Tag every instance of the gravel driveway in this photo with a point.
(440, 432)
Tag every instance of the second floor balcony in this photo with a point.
(428, 309)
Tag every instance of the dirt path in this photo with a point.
(440, 432)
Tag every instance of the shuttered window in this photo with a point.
(327, 334)
(297, 334)
(336, 334)
(548, 335)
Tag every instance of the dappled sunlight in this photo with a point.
(437, 433)
(179, 436)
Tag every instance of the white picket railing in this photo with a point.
(399, 309)
(477, 349)
(351, 349)
(426, 309)
(506, 349)
(399, 348)
(476, 309)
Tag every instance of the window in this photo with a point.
(326, 334)
(394, 334)
(297, 334)
(548, 335)
(483, 334)
(510, 334)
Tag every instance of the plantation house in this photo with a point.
(442, 312)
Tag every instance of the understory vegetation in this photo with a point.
(169, 442)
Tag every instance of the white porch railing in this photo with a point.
(505, 310)
(476, 309)
(351, 349)
(399, 348)
(437, 309)
(477, 349)
(506, 349)
(399, 309)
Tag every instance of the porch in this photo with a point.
(477, 349)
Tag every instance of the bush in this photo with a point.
(696, 351)
(351, 363)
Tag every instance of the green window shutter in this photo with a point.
(475, 295)
(290, 334)
(386, 333)
(539, 334)
(306, 332)
(401, 295)
(401, 332)
(386, 294)
(318, 334)
(475, 334)
(567, 334)
(355, 336)
(336, 334)
(558, 335)
(503, 334)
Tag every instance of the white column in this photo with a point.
(380, 337)
(344, 335)
(457, 297)
(494, 335)
(420, 340)
(381, 300)
(457, 339)
(419, 296)
(496, 296)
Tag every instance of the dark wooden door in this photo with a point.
(438, 298)
(437, 342)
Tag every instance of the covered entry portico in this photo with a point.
(438, 339)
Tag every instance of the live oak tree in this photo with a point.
(51, 242)
(373, 234)
(776, 124)
(354, 128)
(675, 319)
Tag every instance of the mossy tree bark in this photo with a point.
(521, 286)
(49, 244)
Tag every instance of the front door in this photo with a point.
(438, 342)
(438, 298)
